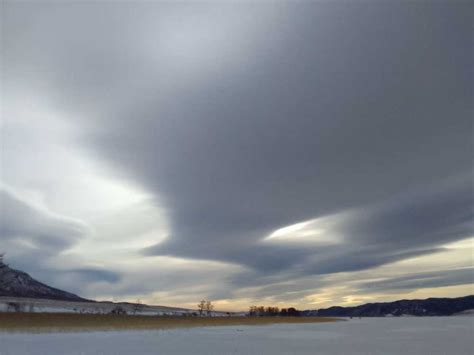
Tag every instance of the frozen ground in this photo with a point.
(440, 335)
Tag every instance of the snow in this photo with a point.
(467, 312)
(428, 335)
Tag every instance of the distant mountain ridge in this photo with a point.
(15, 283)
(427, 307)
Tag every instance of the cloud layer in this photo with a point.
(238, 120)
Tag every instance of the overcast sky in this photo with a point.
(285, 153)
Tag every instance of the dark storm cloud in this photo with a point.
(289, 112)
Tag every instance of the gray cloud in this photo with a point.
(41, 229)
(76, 280)
(269, 115)
(32, 237)
(95, 275)
(414, 224)
(422, 280)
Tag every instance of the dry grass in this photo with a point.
(44, 322)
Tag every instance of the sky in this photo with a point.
(297, 153)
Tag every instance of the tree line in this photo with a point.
(261, 311)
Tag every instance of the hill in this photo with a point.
(428, 307)
(15, 283)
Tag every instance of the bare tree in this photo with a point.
(201, 307)
(209, 307)
(138, 307)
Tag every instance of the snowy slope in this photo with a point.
(15, 283)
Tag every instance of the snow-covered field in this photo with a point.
(437, 335)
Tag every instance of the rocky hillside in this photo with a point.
(14, 283)
(428, 307)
